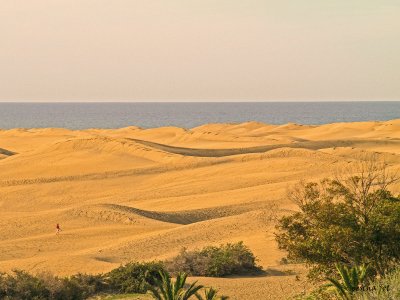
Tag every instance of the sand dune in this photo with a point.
(142, 194)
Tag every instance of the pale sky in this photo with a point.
(211, 50)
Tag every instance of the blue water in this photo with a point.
(188, 115)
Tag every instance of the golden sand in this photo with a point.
(134, 194)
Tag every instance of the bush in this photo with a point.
(20, 285)
(229, 259)
(134, 277)
(353, 221)
(23, 286)
(82, 286)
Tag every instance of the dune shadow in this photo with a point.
(186, 217)
(300, 143)
(6, 152)
(104, 259)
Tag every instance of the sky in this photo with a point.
(199, 50)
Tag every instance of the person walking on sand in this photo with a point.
(58, 228)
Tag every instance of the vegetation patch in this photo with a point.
(132, 281)
(352, 221)
(347, 230)
(387, 287)
(212, 261)
(134, 277)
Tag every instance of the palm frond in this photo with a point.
(339, 288)
(345, 275)
(192, 290)
(166, 289)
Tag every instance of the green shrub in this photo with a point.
(82, 286)
(134, 277)
(228, 259)
(22, 286)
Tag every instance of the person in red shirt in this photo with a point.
(58, 228)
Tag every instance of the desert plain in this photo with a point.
(134, 194)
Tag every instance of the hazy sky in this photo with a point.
(215, 50)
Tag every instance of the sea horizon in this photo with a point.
(112, 115)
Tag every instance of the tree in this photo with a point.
(351, 219)
(166, 289)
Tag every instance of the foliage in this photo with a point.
(123, 296)
(82, 286)
(350, 281)
(214, 261)
(166, 289)
(387, 287)
(379, 288)
(211, 294)
(134, 277)
(353, 220)
(21, 285)
(321, 293)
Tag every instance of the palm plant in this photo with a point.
(211, 294)
(166, 289)
(350, 280)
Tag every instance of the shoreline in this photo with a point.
(134, 127)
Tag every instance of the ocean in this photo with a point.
(188, 115)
